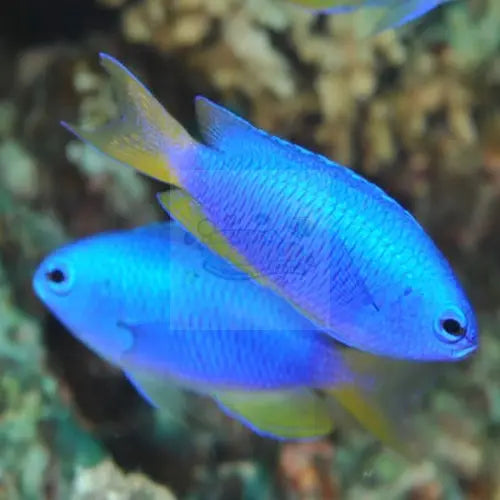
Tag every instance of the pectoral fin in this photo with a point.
(161, 393)
(142, 392)
(188, 213)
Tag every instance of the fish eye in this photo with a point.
(56, 276)
(59, 278)
(452, 326)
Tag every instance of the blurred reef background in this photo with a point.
(417, 111)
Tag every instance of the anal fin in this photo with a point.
(296, 415)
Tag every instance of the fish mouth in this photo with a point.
(464, 352)
(36, 283)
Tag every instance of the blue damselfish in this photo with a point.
(147, 301)
(389, 13)
(146, 294)
(334, 245)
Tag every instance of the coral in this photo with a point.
(33, 438)
(473, 35)
(106, 482)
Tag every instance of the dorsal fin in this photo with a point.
(220, 127)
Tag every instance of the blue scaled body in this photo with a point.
(173, 316)
(147, 299)
(332, 244)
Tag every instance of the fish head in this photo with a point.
(454, 323)
(77, 285)
(435, 316)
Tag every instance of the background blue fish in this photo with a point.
(143, 300)
(391, 13)
(334, 245)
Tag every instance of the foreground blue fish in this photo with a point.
(144, 301)
(331, 243)
(391, 13)
(141, 293)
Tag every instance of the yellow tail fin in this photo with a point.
(144, 136)
(370, 416)
(390, 405)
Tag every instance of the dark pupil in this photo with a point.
(452, 326)
(56, 276)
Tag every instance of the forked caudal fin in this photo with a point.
(390, 407)
(144, 136)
